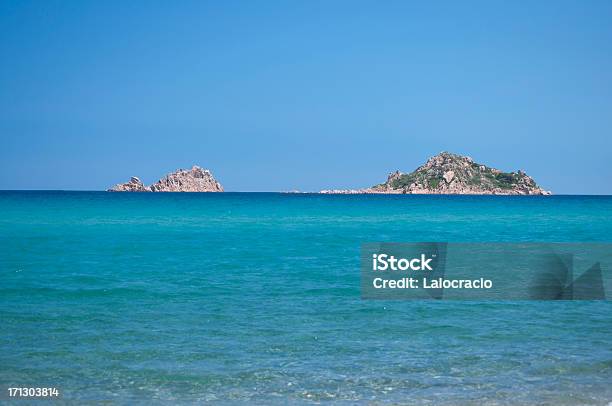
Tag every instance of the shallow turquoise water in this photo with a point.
(255, 297)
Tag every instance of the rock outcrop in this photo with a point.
(448, 173)
(134, 185)
(195, 179)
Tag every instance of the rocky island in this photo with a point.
(195, 179)
(448, 173)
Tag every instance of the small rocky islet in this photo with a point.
(195, 179)
(448, 173)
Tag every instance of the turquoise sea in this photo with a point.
(255, 298)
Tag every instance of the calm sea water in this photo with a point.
(248, 297)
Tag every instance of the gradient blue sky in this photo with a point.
(303, 94)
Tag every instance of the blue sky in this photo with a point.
(303, 94)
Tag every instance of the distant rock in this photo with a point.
(134, 185)
(448, 173)
(195, 179)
